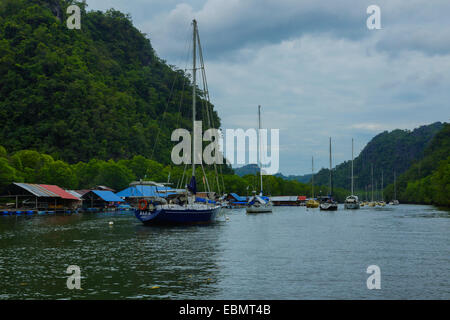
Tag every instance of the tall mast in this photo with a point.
(395, 189)
(259, 147)
(312, 178)
(330, 166)
(372, 182)
(194, 81)
(382, 198)
(352, 166)
(376, 190)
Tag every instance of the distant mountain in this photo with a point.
(427, 180)
(387, 152)
(303, 178)
(247, 169)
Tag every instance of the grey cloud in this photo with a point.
(313, 66)
(232, 25)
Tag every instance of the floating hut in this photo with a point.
(99, 200)
(33, 198)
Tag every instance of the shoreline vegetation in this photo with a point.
(33, 167)
(70, 100)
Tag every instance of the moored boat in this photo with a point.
(161, 211)
(395, 202)
(312, 203)
(328, 203)
(329, 206)
(352, 201)
(257, 204)
(183, 208)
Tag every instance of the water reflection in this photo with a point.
(126, 260)
(292, 253)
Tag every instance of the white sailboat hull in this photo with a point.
(352, 205)
(259, 208)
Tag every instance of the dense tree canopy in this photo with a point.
(99, 92)
(427, 180)
(387, 152)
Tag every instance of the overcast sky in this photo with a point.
(313, 65)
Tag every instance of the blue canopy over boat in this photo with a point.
(260, 199)
(238, 198)
(145, 191)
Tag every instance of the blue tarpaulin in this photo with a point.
(107, 196)
(203, 200)
(144, 191)
(238, 198)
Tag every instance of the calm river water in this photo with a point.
(293, 253)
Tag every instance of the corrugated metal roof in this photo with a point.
(107, 196)
(74, 193)
(37, 190)
(60, 192)
(82, 192)
(46, 191)
(105, 188)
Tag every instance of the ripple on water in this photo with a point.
(293, 253)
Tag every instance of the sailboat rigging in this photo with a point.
(259, 203)
(395, 202)
(352, 201)
(181, 207)
(327, 202)
(312, 202)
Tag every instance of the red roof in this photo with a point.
(60, 192)
(301, 198)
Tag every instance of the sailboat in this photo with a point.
(352, 201)
(312, 203)
(327, 202)
(395, 201)
(184, 207)
(259, 203)
(372, 203)
(381, 202)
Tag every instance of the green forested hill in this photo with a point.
(388, 151)
(427, 180)
(247, 169)
(300, 178)
(99, 92)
